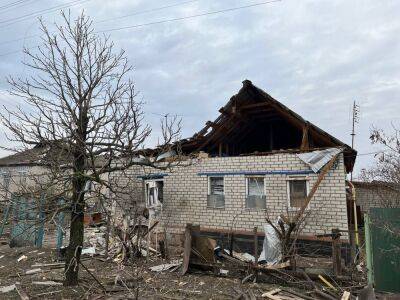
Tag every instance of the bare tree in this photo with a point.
(386, 171)
(385, 188)
(81, 107)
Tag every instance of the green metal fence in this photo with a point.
(382, 239)
(25, 217)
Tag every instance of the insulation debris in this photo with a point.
(23, 257)
(165, 267)
(9, 288)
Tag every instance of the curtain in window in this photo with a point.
(216, 185)
(298, 192)
(255, 186)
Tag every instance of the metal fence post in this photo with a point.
(368, 249)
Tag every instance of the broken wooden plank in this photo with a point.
(187, 248)
(336, 252)
(305, 145)
(48, 283)
(328, 284)
(271, 294)
(38, 265)
(33, 271)
(346, 295)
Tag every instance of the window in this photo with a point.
(154, 193)
(297, 192)
(255, 193)
(89, 186)
(22, 178)
(6, 181)
(216, 198)
(160, 190)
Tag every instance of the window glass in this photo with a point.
(216, 198)
(151, 196)
(255, 193)
(255, 186)
(216, 185)
(160, 188)
(298, 192)
(154, 193)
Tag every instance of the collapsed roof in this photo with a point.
(252, 122)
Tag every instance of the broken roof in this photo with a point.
(252, 121)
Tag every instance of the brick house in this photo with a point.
(373, 194)
(248, 168)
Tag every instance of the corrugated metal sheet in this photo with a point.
(319, 158)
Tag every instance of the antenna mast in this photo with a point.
(356, 118)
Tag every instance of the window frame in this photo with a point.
(247, 178)
(6, 179)
(22, 177)
(297, 178)
(209, 191)
(156, 203)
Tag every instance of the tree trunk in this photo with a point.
(75, 242)
(77, 215)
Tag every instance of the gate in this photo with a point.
(26, 217)
(27, 221)
(382, 239)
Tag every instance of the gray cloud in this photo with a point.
(314, 56)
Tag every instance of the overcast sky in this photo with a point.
(316, 57)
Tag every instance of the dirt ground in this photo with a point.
(134, 279)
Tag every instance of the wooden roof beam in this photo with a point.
(255, 105)
(305, 143)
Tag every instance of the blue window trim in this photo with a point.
(153, 176)
(277, 172)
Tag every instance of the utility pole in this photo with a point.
(355, 119)
(353, 234)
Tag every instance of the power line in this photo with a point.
(170, 20)
(16, 3)
(372, 153)
(109, 19)
(192, 16)
(11, 21)
(146, 11)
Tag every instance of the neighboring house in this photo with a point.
(376, 194)
(16, 171)
(247, 168)
(28, 172)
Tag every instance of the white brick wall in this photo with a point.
(185, 194)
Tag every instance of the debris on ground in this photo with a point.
(6, 289)
(50, 283)
(21, 258)
(165, 267)
(133, 267)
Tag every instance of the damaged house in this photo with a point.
(258, 160)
